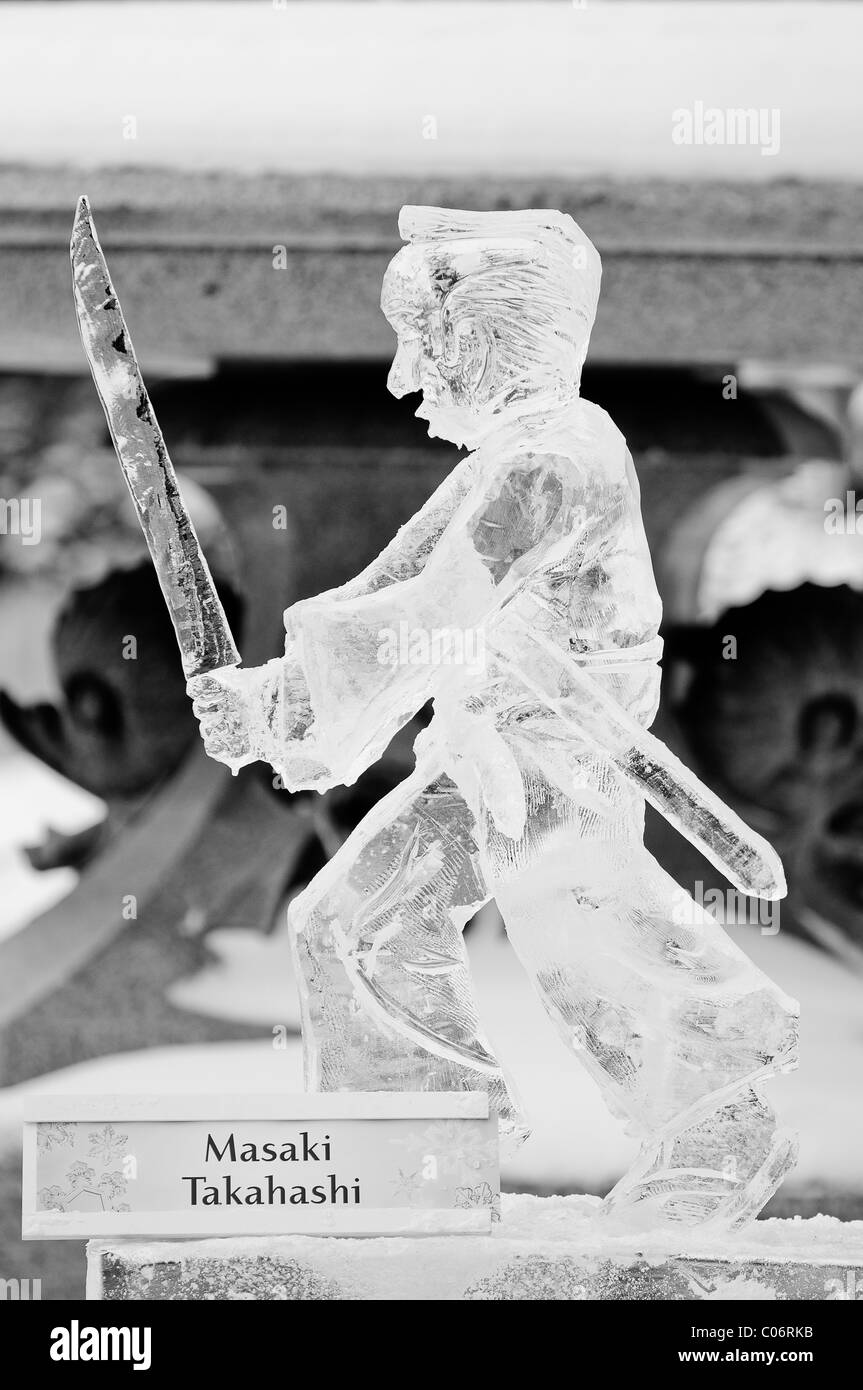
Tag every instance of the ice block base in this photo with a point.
(544, 1248)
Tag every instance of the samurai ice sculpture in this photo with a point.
(521, 600)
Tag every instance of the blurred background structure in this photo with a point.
(246, 165)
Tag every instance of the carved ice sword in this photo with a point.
(205, 639)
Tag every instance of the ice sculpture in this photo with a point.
(521, 599)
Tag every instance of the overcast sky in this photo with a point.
(510, 89)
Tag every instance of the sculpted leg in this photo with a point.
(387, 998)
(672, 1020)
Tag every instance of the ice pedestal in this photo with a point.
(544, 1248)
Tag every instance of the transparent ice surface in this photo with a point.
(202, 630)
(531, 779)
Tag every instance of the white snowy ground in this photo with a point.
(32, 796)
(574, 1139)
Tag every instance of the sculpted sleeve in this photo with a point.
(348, 680)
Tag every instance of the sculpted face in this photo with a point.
(490, 323)
(445, 349)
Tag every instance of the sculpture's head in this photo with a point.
(493, 312)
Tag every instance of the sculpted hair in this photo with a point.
(535, 269)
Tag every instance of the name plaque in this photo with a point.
(378, 1163)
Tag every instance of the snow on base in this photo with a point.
(544, 1248)
(576, 1222)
